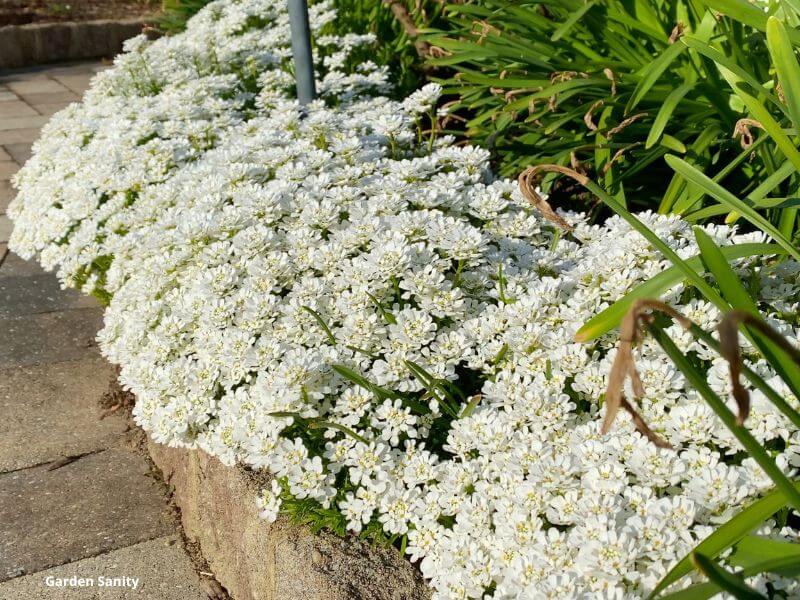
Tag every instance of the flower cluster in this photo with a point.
(376, 319)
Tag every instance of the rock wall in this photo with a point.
(256, 560)
(40, 43)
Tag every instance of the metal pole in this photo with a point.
(301, 49)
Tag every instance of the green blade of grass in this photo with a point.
(722, 195)
(665, 112)
(727, 581)
(756, 451)
(787, 567)
(735, 293)
(611, 317)
(726, 535)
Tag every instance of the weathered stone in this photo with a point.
(50, 109)
(98, 503)
(161, 566)
(38, 294)
(52, 411)
(7, 169)
(5, 229)
(20, 152)
(16, 108)
(49, 337)
(40, 43)
(13, 266)
(78, 83)
(256, 560)
(22, 122)
(51, 97)
(24, 84)
(13, 136)
(4, 156)
(7, 193)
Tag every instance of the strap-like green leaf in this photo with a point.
(733, 584)
(611, 317)
(722, 195)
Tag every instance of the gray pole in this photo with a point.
(301, 49)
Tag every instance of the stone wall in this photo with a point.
(256, 560)
(41, 43)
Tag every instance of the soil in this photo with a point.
(21, 12)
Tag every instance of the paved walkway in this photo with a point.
(77, 497)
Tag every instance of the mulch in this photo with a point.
(21, 12)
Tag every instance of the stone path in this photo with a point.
(77, 497)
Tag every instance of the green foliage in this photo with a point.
(612, 86)
(175, 14)
(395, 48)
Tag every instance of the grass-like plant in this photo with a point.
(610, 88)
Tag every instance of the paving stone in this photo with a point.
(23, 122)
(163, 570)
(77, 83)
(49, 337)
(34, 84)
(20, 151)
(13, 136)
(32, 294)
(7, 169)
(52, 411)
(50, 98)
(6, 95)
(98, 503)
(49, 110)
(14, 266)
(16, 108)
(4, 156)
(7, 193)
(5, 228)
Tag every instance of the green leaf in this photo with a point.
(715, 190)
(727, 280)
(665, 112)
(787, 567)
(697, 379)
(753, 550)
(318, 318)
(574, 17)
(726, 580)
(735, 293)
(611, 317)
(363, 382)
(760, 113)
(727, 534)
(783, 57)
(652, 72)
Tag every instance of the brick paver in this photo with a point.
(75, 497)
(162, 570)
(97, 503)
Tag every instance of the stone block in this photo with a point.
(49, 337)
(5, 229)
(13, 136)
(16, 108)
(7, 193)
(93, 505)
(29, 295)
(162, 568)
(53, 411)
(78, 83)
(7, 170)
(23, 122)
(20, 151)
(256, 560)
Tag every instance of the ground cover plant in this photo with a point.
(363, 308)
